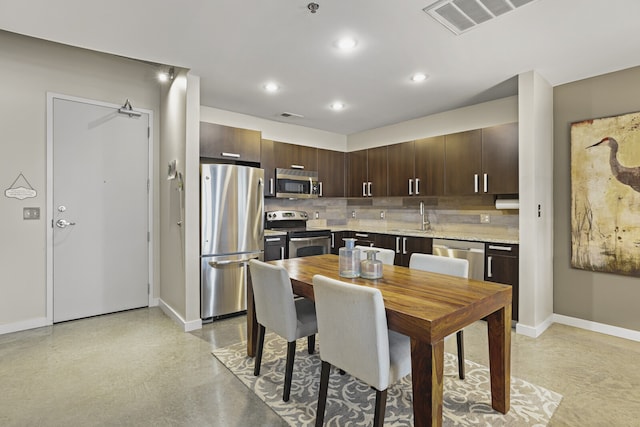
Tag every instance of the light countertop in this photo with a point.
(493, 236)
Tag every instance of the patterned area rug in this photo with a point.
(350, 402)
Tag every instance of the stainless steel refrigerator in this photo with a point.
(231, 233)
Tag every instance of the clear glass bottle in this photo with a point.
(371, 268)
(349, 259)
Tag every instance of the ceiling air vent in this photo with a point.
(294, 115)
(460, 16)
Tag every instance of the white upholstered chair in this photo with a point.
(453, 267)
(387, 256)
(353, 334)
(277, 311)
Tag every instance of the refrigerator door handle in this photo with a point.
(242, 260)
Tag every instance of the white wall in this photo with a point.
(31, 68)
(277, 131)
(491, 113)
(192, 205)
(172, 248)
(536, 188)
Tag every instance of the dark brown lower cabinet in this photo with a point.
(404, 246)
(275, 247)
(337, 242)
(501, 266)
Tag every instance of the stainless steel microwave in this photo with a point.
(297, 184)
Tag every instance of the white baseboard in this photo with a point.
(24, 325)
(597, 327)
(186, 326)
(534, 331)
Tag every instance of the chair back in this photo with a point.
(352, 329)
(440, 264)
(387, 256)
(273, 299)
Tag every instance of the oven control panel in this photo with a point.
(287, 215)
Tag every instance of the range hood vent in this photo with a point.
(460, 16)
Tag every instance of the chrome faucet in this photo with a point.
(426, 225)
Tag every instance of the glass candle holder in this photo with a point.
(371, 268)
(349, 259)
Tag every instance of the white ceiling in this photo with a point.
(235, 46)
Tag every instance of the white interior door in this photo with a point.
(100, 210)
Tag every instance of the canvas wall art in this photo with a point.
(605, 194)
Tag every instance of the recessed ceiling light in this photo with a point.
(418, 77)
(271, 87)
(337, 106)
(346, 43)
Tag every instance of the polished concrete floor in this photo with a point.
(137, 368)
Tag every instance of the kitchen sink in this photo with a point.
(411, 230)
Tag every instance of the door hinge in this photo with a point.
(148, 236)
(148, 288)
(148, 132)
(148, 185)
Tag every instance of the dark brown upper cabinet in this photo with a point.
(292, 156)
(229, 143)
(401, 160)
(268, 163)
(429, 166)
(331, 173)
(482, 161)
(367, 173)
(416, 168)
(500, 159)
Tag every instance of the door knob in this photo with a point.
(63, 223)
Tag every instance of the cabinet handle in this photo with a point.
(486, 182)
(362, 235)
(417, 186)
(234, 155)
(489, 262)
(397, 245)
(369, 190)
(320, 183)
(271, 186)
(501, 248)
(364, 189)
(272, 239)
(404, 246)
(281, 252)
(297, 167)
(475, 183)
(333, 240)
(411, 187)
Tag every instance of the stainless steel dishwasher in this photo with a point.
(471, 251)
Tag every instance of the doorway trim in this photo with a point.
(49, 197)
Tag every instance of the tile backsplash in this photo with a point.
(443, 213)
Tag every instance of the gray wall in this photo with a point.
(599, 297)
(31, 68)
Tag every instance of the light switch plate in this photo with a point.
(31, 213)
(485, 218)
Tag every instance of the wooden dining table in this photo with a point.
(427, 307)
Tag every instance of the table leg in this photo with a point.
(252, 323)
(499, 330)
(427, 365)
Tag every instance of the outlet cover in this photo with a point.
(381, 214)
(31, 213)
(485, 218)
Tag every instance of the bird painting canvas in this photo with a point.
(605, 194)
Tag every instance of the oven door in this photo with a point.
(308, 246)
